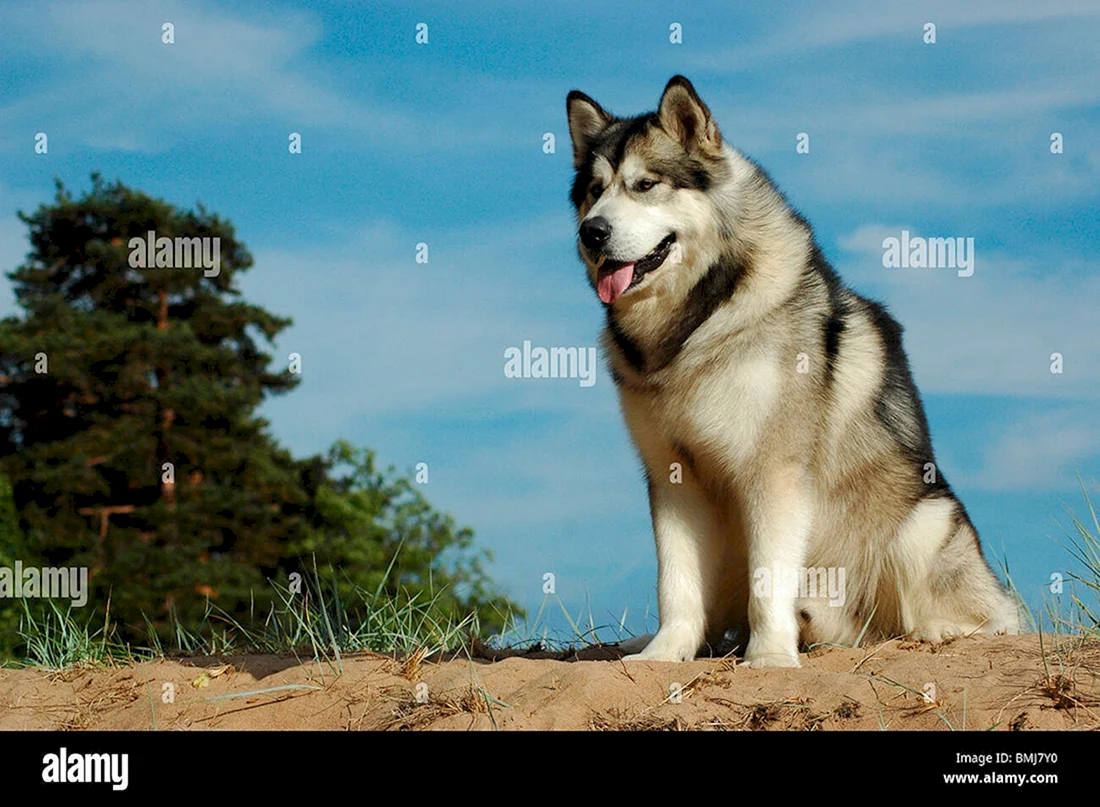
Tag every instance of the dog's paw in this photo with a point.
(643, 657)
(776, 649)
(1006, 628)
(636, 645)
(936, 631)
(1006, 621)
(671, 655)
(761, 660)
(666, 648)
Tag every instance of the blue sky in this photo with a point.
(442, 144)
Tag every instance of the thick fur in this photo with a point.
(773, 408)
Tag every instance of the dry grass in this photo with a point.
(410, 714)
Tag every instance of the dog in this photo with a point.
(784, 443)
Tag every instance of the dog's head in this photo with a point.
(641, 187)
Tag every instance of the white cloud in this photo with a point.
(1042, 451)
(123, 88)
(867, 240)
(993, 332)
(819, 26)
(893, 135)
(875, 148)
(419, 336)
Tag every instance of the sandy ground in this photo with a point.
(972, 684)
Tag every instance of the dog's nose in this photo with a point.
(595, 232)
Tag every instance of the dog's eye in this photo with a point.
(643, 185)
(596, 190)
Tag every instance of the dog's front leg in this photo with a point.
(779, 514)
(682, 520)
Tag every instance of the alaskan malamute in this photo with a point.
(792, 486)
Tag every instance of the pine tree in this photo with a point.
(129, 436)
(127, 398)
(11, 542)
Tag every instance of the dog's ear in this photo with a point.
(685, 117)
(586, 120)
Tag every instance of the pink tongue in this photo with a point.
(611, 285)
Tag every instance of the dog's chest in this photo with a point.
(716, 410)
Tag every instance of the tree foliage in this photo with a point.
(382, 534)
(129, 435)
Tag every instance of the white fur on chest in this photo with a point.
(720, 408)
